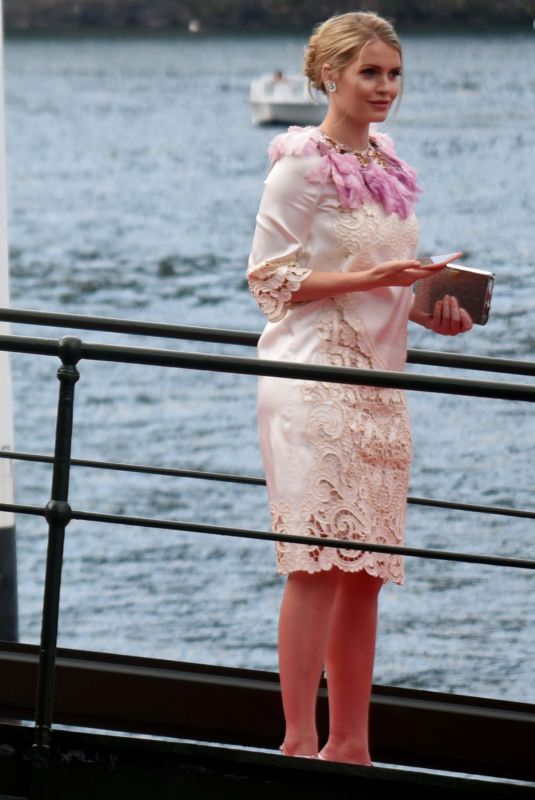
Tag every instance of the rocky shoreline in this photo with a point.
(198, 15)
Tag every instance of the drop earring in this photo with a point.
(330, 86)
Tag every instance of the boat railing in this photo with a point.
(72, 351)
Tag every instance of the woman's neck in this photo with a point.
(345, 132)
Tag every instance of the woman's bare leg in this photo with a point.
(303, 633)
(350, 659)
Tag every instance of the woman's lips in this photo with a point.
(380, 103)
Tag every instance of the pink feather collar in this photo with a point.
(393, 186)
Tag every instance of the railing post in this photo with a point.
(58, 515)
(8, 541)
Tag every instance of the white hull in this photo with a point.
(287, 113)
(286, 101)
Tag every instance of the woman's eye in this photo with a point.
(396, 73)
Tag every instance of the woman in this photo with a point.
(332, 265)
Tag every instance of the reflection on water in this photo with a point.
(134, 177)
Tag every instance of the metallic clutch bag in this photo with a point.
(471, 287)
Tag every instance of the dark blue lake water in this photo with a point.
(134, 175)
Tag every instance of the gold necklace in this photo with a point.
(364, 157)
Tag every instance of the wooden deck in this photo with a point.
(418, 738)
(88, 766)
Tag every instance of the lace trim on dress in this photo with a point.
(272, 286)
(315, 558)
(362, 450)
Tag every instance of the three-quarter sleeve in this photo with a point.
(278, 259)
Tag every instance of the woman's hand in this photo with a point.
(448, 318)
(401, 273)
(405, 273)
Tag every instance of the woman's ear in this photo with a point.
(327, 74)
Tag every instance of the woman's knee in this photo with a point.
(362, 582)
(325, 581)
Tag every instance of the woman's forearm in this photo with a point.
(327, 284)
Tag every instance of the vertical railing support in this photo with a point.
(58, 515)
(8, 544)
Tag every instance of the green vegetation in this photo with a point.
(254, 14)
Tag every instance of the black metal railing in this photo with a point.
(249, 480)
(58, 513)
(246, 338)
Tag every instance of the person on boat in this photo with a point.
(332, 266)
(280, 87)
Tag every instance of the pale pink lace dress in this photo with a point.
(336, 457)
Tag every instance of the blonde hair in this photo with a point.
(340, 39)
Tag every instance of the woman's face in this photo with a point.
(368, 85)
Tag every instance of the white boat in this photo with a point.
(287, 100)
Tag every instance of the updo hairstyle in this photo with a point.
(339, 40)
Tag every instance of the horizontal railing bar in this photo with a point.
(128, 326)
(21, 508)
(280, 369)
(174, 472)
(472, 507)
(247, 338)
(435, 358)
(243, 533)
(30, 345)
